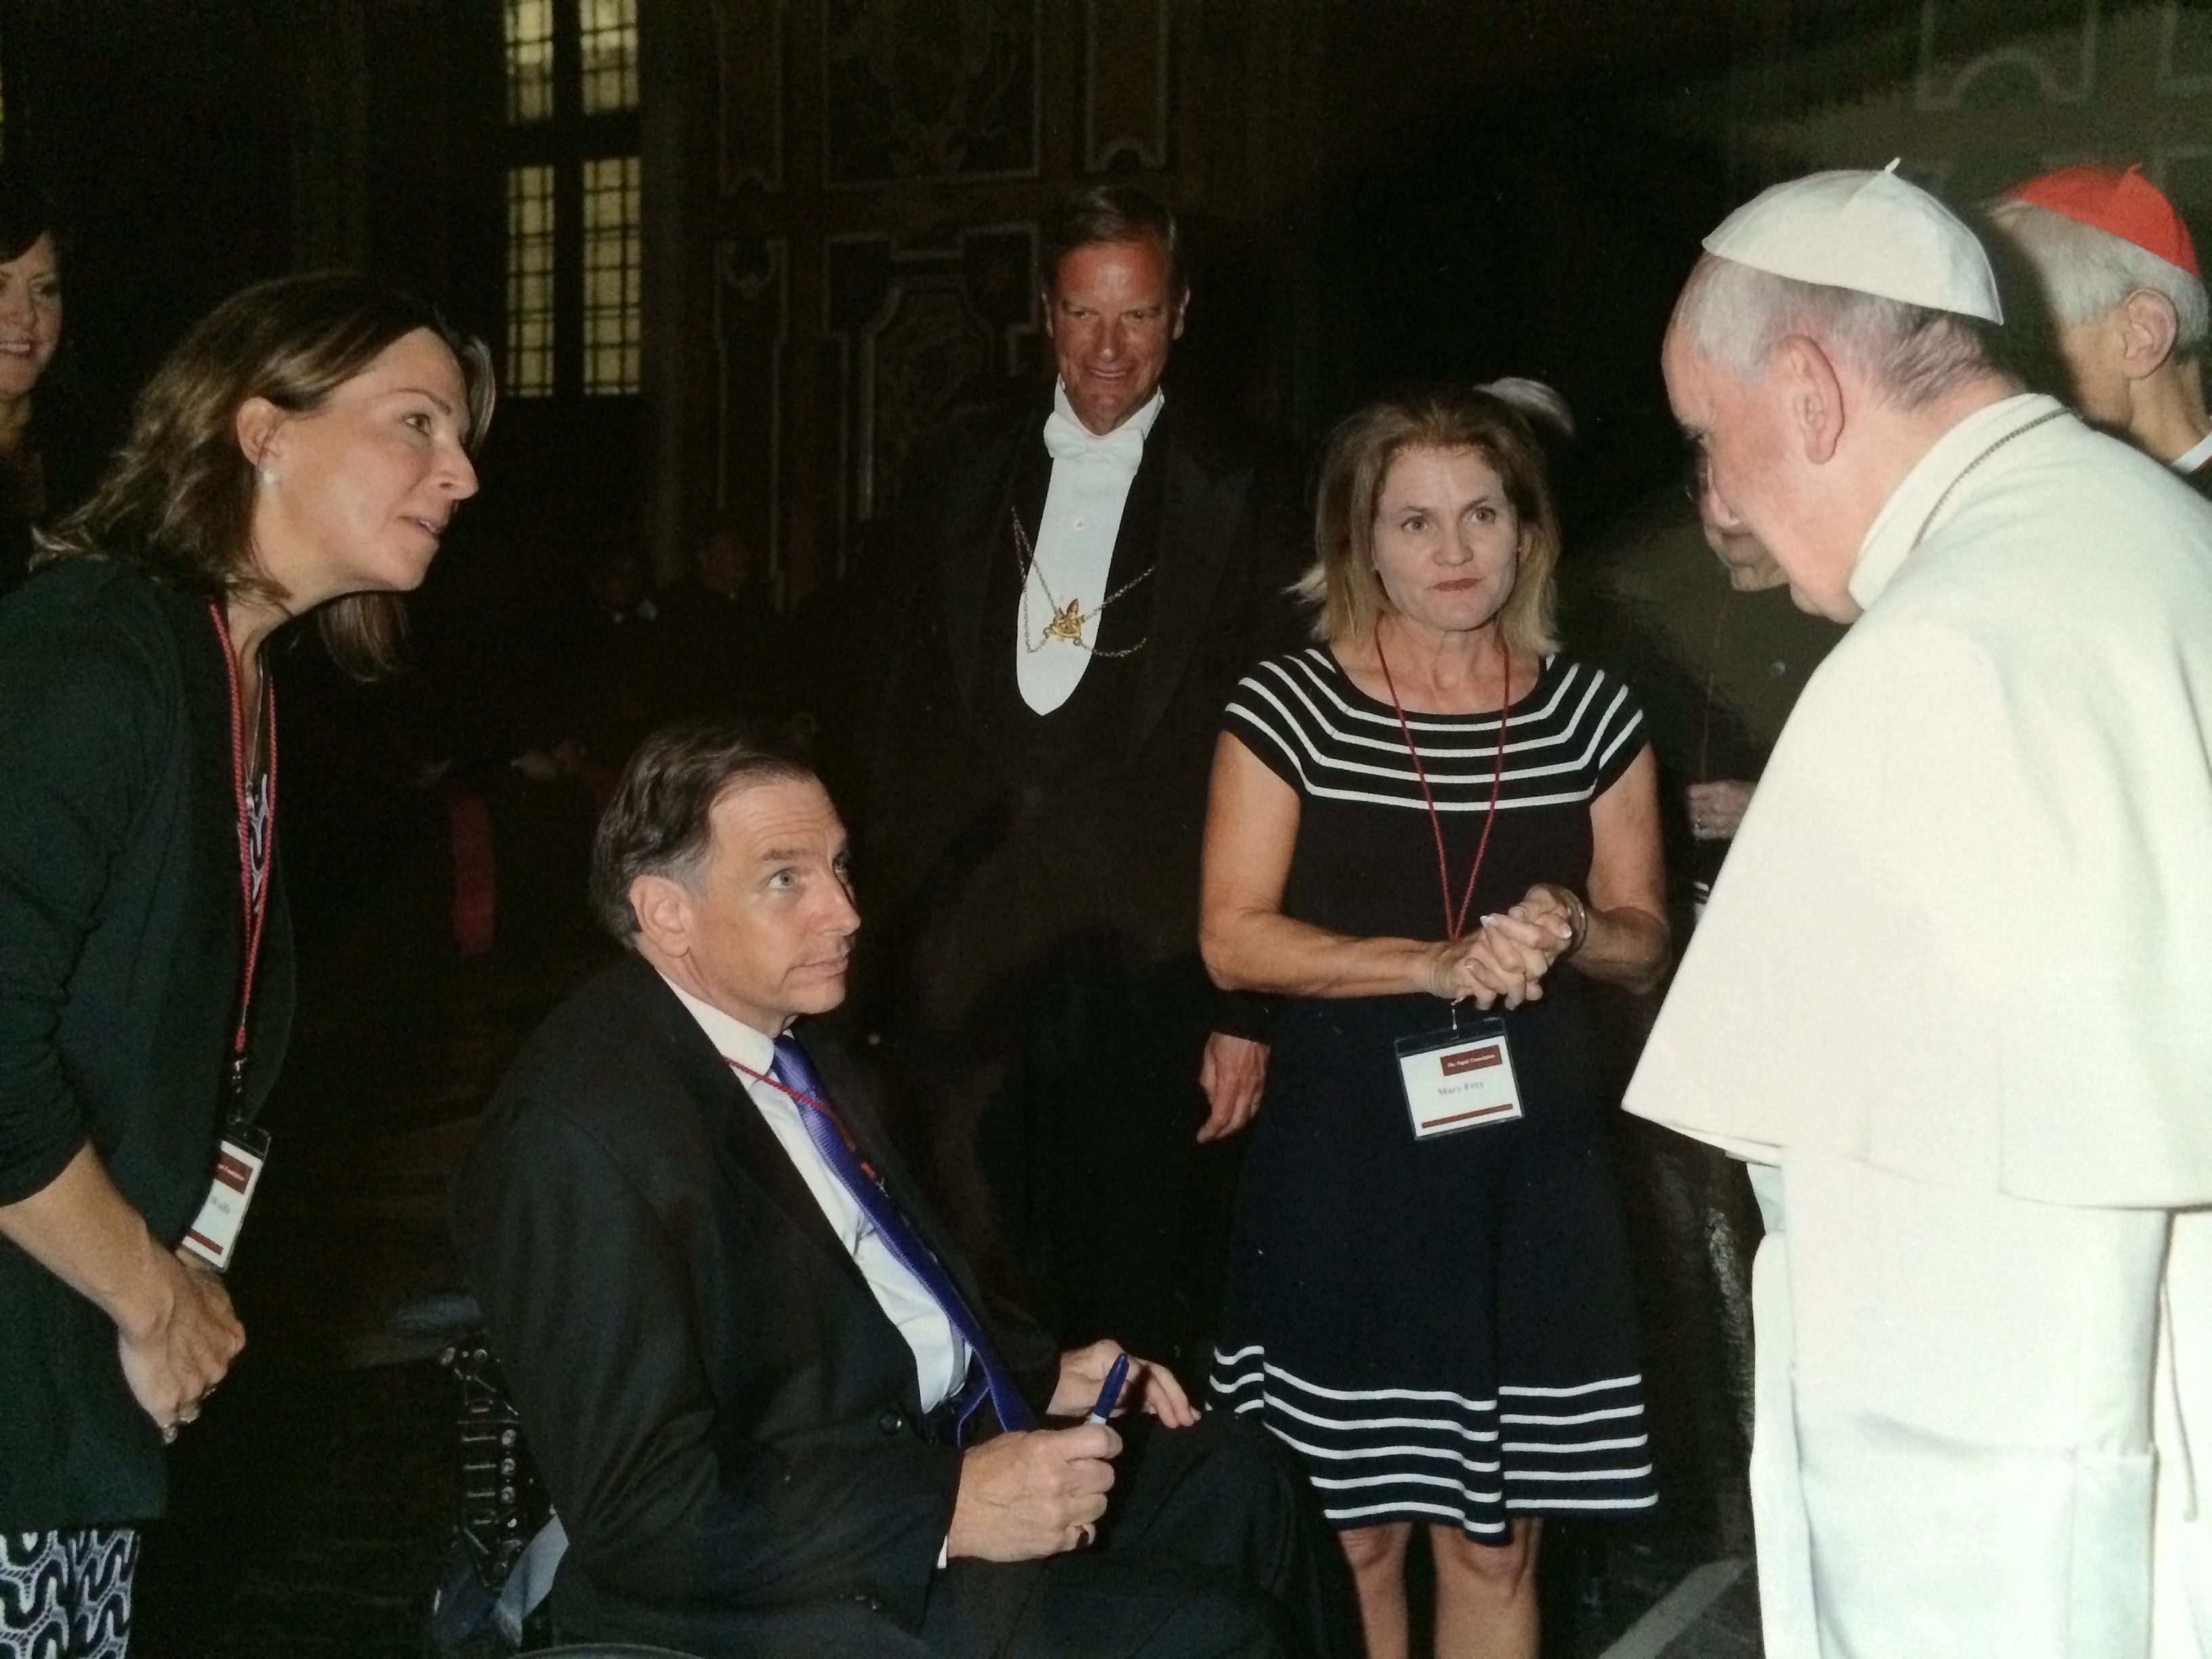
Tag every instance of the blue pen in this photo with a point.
(1110, 1395)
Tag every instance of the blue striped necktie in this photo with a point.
(796, 1073)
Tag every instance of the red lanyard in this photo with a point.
(1456, 920)
(811, 1104)
(253, 897)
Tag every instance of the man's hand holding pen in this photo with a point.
(1038, 1493)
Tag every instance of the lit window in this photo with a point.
(529, 60)
(606, 37)
(612, 289)
(574, 236)
(530, 281)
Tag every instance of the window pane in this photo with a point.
(606, 32)
(530, 281)
(529, 60)
(613, 287)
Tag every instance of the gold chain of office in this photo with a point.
(1067, 620)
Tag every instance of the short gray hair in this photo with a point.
(660, 821)
(2086, 271)
(1736, 315)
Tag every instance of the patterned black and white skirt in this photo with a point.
(67, 1595)
(1443, 1330)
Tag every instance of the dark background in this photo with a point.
(1374, 189)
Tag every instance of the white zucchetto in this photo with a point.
(1870, 231)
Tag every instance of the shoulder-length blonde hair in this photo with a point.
(179, 499)
(1342, 584)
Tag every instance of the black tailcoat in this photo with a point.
(1031, 882)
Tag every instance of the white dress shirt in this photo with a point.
(940, 1356)
(1091, 476)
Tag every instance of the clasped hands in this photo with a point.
(173, 1358)
(1044, 1491)
(1506, 959)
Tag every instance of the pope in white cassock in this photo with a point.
(1953, 997)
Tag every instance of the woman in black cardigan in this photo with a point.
(300, 452)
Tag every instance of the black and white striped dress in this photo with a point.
(1442, 1328)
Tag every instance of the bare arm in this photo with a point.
(1628, 933)
(174, 1327)
(1627, 941)
(1250, 944)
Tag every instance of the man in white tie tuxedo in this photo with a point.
(1075, 580)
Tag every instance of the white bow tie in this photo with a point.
(1123, 448)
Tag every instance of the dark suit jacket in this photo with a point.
(727, 1422)
(120, 925)
(1119, 831)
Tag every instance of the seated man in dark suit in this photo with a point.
(773, 1409)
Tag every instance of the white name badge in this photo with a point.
(213, 1235)
(1459, 1079)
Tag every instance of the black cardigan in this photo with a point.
(120, 933)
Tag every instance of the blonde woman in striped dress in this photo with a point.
(1428, 821)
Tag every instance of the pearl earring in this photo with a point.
(268, 475)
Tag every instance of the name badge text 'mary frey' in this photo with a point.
(1459, 1079)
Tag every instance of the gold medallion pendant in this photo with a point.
(1065, 621)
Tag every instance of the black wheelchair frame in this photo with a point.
(503, 1501)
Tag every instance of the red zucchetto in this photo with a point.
(2120, 203)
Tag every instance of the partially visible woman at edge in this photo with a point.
(299, 453)
(50, 456)
(1431, 809)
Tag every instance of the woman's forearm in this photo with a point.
(1266, 950)
(80, 1229)
(1628, 940)
(175, 1332)
(1625, 946)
